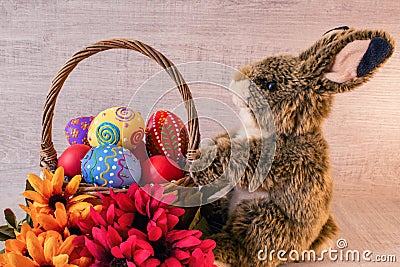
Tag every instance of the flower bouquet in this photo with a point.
(132, 228)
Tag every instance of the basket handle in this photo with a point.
(48, 154)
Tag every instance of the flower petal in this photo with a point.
(158, 213)
(98, 252)
(141, 256)
(173, 262)
(113, 237)
(35, 196)
(168, 199)
(209, 259)
(189, 241)
(132, 190)
(13, 245)
(144, 245)
(19, 260)
(141, 198)
(35, 248)
(172, 221)
(61, 214)
(50, 248)
(116, 252)
(154, 232)
(57, 181)
(126, 219)
(128, 247)
(25, 228)
(139, 234)
(48, 222)
(100, 236)
(46, 190)
(72, 186)
(181, 255)
(24, 208)
(60, 260)
(176, 235)
(36, 182)
(47, 174)
(197, 258)
(176, 211)
(124, 202)
(97, 217)
(79, 206)
(151, 263)
(158, 191)
(207, 245)
(67, 246)
(110, 214)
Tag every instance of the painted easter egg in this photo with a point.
(70, 159)
(159, 169)
(119, 126)
(77, 130)
(111, 166)
(166, 134)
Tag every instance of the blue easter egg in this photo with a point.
(111, 166)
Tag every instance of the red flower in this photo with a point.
(150, 202)
(184, 248)
(146, 209)
(136, 229)
(109, 249)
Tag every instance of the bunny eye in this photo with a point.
(272, 86)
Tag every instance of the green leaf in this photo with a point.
(6, 232)
(2, 251)
(4, 237)
(28, 186)
(10, 218)
(196, 220)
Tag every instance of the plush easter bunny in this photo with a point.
(290, 208)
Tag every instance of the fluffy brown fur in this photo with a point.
(295, 213)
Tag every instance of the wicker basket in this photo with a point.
(48, 154)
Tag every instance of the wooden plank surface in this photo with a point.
(37, 37)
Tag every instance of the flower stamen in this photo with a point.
(56, 198)
(118, 262)
(162, 249)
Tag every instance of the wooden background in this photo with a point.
(37, 37)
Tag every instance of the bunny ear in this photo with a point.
(358, 58)
(346, 58)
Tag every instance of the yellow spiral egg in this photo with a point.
(119, 126)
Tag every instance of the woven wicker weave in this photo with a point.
(48, 154)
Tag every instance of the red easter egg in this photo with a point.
(159, 168)
(140, 151)
(70, 159)
(166, 134)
